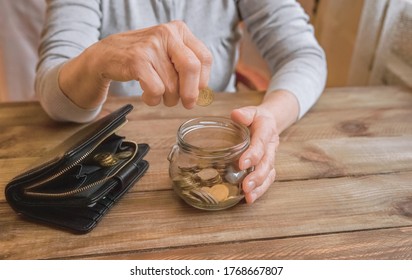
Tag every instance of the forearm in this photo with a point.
(82, 83)
(283, 106)
(70, 28)
(289, 46)
(57, 105)
(304, 77)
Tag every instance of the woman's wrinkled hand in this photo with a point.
(170, 63)
(261, 152)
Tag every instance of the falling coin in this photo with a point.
(205, 97)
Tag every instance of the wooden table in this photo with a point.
(343, 188)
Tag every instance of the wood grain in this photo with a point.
(159, 219)
(343, 188)
(385, 244)
(312, 159)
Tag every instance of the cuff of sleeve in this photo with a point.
(57, 105)
(305, 90)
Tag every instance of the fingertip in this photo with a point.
(150, 100)
(235, 115)
(243, 115)
(245, 164)
(250, 198)
(189, 98)
(189, 106)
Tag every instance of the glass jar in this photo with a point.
(203, 164)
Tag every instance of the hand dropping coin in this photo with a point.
(205, 97)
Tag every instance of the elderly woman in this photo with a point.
(166, 51)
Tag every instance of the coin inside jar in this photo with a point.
(207, 174)
(203, 162)
(220, 192)
(233, 190)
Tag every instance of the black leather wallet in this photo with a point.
(81, 179)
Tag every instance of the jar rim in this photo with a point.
(208, 122)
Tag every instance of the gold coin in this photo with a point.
(102, 156)
(124, 154)
(205, 97)
(207, 174)
(233, 190)
(188, 167)
(106, 159)
(108, 163)
(220, 192)
(205, 196)
(191, 197)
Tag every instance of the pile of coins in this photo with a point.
(208, 187)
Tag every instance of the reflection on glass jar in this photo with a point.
(204, 162)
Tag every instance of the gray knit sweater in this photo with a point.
(279, 28)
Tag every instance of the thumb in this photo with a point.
(244, 115)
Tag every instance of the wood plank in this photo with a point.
(156, 220)
(385, 244)
(30, 113)
(327, 158)
(312, 159)
(332, 99)
(32, 141)
(372, 97)
(316, 125)
(350, 123)
(23, 113)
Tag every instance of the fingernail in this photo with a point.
(251, 185)
(247, 163)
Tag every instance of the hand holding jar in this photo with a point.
(278, 111)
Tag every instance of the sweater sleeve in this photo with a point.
(282, 33)
(71, 26)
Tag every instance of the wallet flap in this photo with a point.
(74, 147)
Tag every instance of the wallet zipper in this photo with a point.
(51, 162)
(81, 189)
(70, 167)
